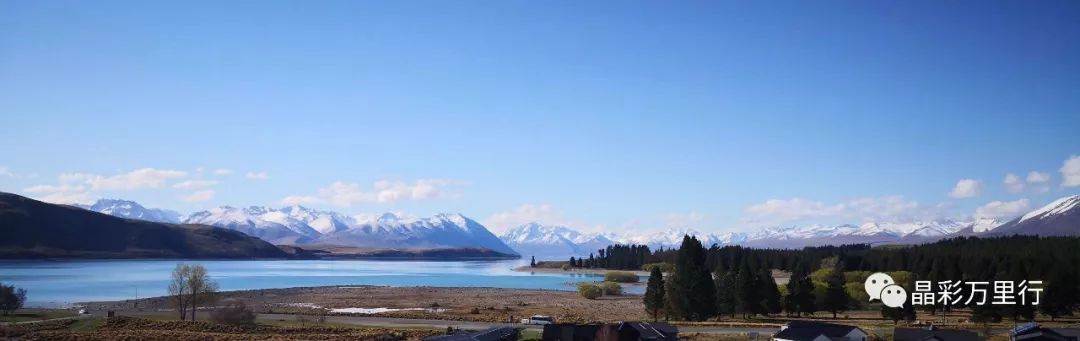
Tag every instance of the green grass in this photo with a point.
(311, 323)
(621, 277)
(87, 324)
(530, 334)
(35, 314)
(551, 264)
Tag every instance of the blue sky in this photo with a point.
(608, 116)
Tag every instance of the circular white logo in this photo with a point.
(875, 283)
(893, 296)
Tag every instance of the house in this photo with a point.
(623, 331)
(493, 334)
(933, 334)
(629, 331)
(1032, 331)
(575, 332)
(819, 331)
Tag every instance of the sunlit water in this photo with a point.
(58, 283)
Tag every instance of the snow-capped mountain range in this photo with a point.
(300, 225)
(1061, 217)
(544, 241)
(132, 210)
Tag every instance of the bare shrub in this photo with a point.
(233, 312)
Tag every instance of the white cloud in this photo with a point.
(1003, 209)
(688, 219)
(55, 188)
(300, 200)
(1070, 172)
(1013, 183)
(67, 198)
(893, 207)
(194, 184)
(78, 187)
(545, 214)
(967, 188)
(383, 191)
(792, 209)
(1039, 182)
(199, 196)
(223, 171)
(5, 172)
(257, 175)
(137, 179)
(60, 194)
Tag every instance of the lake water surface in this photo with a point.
(58, 283)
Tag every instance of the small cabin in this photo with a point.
(933, 334)
(623, 331)
(819, 331)
(1032, 331)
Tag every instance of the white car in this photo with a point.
(538, 319)
(82, 312)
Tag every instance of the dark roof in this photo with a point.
(1033, 330)
(570, 332)
(922, 334)
(492, 334)
(808, 330)
(654, 330)
(1068, 332)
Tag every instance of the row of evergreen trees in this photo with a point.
(735, 280)
(618, 256)
(693, 292)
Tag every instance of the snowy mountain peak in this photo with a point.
(1057, 207)
(553, 241)
(456, 218)
(387, 218)
(132, 210)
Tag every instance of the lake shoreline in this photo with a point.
(572, 271)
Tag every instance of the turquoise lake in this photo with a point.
(59, 283)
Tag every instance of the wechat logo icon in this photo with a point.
(881, 286)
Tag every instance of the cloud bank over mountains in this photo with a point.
(203, 187)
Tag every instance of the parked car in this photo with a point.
(82, 312)
(538, 319)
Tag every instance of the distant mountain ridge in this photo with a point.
(298, 225)
(35, 229)
(549, 241)
(1059, 218)
(132, 210)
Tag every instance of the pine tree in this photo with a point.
(747, 300)
(573, 262)
(692, 295)
(654, 293)
(836, 297)
(770, 294)
(800, 293)
(725, 293)
(1018, 312)
(1061, 295)
(909, 312)
(894, 314)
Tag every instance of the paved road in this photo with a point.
(76, 317)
